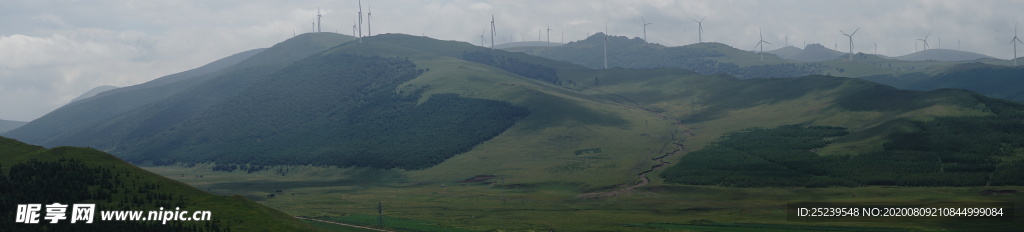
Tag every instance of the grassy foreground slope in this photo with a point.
(70, 175)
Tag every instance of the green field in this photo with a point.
(351, 196)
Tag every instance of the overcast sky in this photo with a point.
(53, 51)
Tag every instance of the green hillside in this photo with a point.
(990, 80)
(334, 109)
(76, 123)
(70, 175)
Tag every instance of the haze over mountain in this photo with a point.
(94, 91)
(942, 55)
(811, 53)
(7, 125)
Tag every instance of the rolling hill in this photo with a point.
(787, 52)
(705, 58)
(73, 122)
(71, 175)
(815, 53)
(942, 55)
(991, 80)
(7, 125)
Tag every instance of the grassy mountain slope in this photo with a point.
(942, 55)
(76, 123)
(70, 175)
(715, 105)
(7, 125)
(787, 52)
(990, 80)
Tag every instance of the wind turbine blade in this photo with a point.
(855, 31)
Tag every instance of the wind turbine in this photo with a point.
(851, 40)
(549, 35)
(318, 30)
(360, 21)
(493, 32)
(353, 27)
(700, 29)
(645, 28)
(369, 28)
(925, 40)
(482, 40)
(760, 43)
(1014, 42)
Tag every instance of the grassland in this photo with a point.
(351, 196)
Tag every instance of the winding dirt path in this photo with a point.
(644, 180)
(343, 224)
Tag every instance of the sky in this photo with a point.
(52, 51)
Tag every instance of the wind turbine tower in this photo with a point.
(1014, 42)
(318, 29)
(549, 35)
(700, 29)
(360, 21)
(760, 43)
(369, 28)
(482, 40)
(645, 28)
(851, 40)
(492, 32)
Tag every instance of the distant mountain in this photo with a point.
(6, 125)
(816, 52)
(507, 46)
(942, 55)
(77, 119)
(93, 92)
(72, 175)
(270, 107)
(704, 58)
(991, 80)
(787, 52)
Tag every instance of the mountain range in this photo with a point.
(427, 124)
(394, 100)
